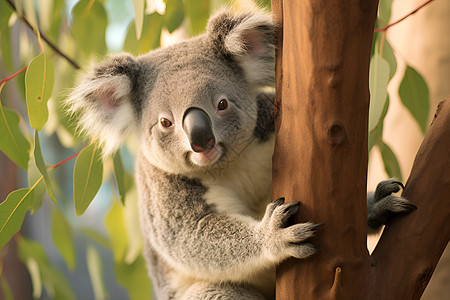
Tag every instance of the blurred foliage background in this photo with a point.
(71, 218)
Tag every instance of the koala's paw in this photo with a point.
(382, 205)
(284, 240)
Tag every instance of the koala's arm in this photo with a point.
(382, 206)
(200, 242)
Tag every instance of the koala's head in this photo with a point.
(193, 103)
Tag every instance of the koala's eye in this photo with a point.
(165, 122)
(222, 105)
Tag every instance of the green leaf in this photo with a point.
(198, 13)
(138, 16)
(388, 55)
(174, 15)
(378, 81)
(264, 3)
(134, 277)
(38, 85)
(7, 293)
(151, 35)
(34, 175)
(35, 274)
(390, 161)
(54, 280)
(12, 213)
(12, 142)
(41, 166)
(376, 135)
(6, 45)
(115, 225)
(384, 12)
(94, 264)
(63, 239)
(87, 177)
(89, 27)
(119, 174)
(414, 95)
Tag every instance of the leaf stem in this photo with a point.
(14, 75)
(404, 17)
(51, 167)
(43, 36)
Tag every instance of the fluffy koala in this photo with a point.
(206, 129)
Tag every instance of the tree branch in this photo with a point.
(44, 37)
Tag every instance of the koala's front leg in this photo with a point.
(382, 205)
(220, 247)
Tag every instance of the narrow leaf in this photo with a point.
(119, 174)
(34, 176)
(41, 166)
(115, 225)
(63, 238)
(198, 12)
(414, 95)
(134, 277)
(138, 16)
(12, 213)
(35, 274)
(12, 142)
(390, 161)
(151, 35)
(174, 15)
(38, 85)
(94, 264)
(87, 178)
(378, 81)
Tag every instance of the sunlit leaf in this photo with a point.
(378, 81)
(384, 11)
(151, 35)
(414, 95)
(35, 274)
(54, 280)
(41, 166)
(12, 213)
(388, 55)
(390, 161)
(138, 16)
(376, 135)
(89, 27)
(34, 176)
(12, 142)
(94, 264)
(115, 225)
(198, 13)
(63, 239)
(119, 174)
(39, 85)
(174, 15)
(56, 19)
(87, 177)
(134, 277)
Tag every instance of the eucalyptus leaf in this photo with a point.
(391, 164)
(6, 45)
(34, 175)
(134, 277)
(115, 225)
(198, 13)
(378, 81)
(38, 84)
(87, 178)
(41, 166)
(414, 95)
(174, 15)
(138, 16)
(151, 35)
(63, 238)
(12, 213)
(94, 265)
(35, 274)
(12, 142)
(119, 174)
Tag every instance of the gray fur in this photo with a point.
(209, 227)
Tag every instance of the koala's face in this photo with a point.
(193, 103)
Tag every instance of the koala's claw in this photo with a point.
(382, 206)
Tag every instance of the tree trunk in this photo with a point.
(320, 159)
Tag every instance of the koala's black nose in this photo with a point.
(197, 125)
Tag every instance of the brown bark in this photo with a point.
(320, 159)
(321, 144)
(411, 246)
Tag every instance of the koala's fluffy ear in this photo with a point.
(250, 39)
(107, 101)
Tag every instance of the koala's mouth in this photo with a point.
(207, 157)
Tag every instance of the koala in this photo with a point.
(203, 111)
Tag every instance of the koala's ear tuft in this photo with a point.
(249, 38)
(107, 101)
